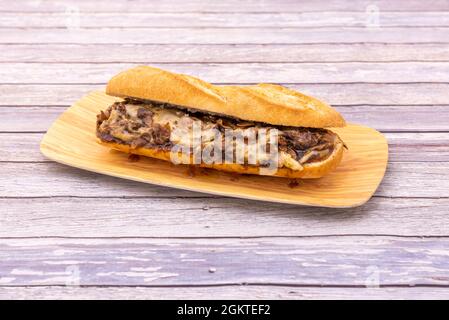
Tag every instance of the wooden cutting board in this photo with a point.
(71, 140)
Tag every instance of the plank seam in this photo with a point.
(230, 12)
(228, 62)
(240, 284)
(238, 83)
(343, 235)
(191, 197)
(223, 44)
(272, 27)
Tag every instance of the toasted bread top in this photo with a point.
(268, 103)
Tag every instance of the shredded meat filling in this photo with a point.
(151, 125)
(121, 125)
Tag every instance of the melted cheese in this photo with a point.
(287, 161)
(181, 132)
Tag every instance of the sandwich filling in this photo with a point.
(160, 126)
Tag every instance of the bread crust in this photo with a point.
(267, 103)
(310, 170)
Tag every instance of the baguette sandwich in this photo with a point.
(159, 110)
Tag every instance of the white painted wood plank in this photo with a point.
(215, 217)
(228, 6)
(384, 118)
(346, 72)
(38, 119)
(409, 179)
(21, 147)
(208, 19)
(43, 179)
(53, 94)
(227, 35)
(187, 53)
(407, 94)
(403, 146)
(338, 261)
(220, 293)
(402, 179)
(413, 146)
(347, 260)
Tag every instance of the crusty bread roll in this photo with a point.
(263, 103)
(268, 103)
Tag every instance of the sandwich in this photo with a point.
(268, 128)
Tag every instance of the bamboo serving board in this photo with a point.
(71, 140)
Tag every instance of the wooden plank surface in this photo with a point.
(220, 292)
(140, 20)
(390, 73)
(234, 35)
(348, 94)
(168, 214)
(345, 72)
(309, 261)
(402, 179)
(420, 118)
(228, 6)
(188, 53)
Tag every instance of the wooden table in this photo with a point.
(67, 233)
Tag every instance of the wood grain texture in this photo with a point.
(209, 19)
(188, 53)
(384, 118)
(392, 78)
(316, 261)
(403, 146)
(348, 94)
(183, 214)
(71, 140)
(347, 72)
(221, 292)
(402, 179)
(228, 6)
(227, 35)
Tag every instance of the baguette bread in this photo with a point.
(264, 105)
(267, 103)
